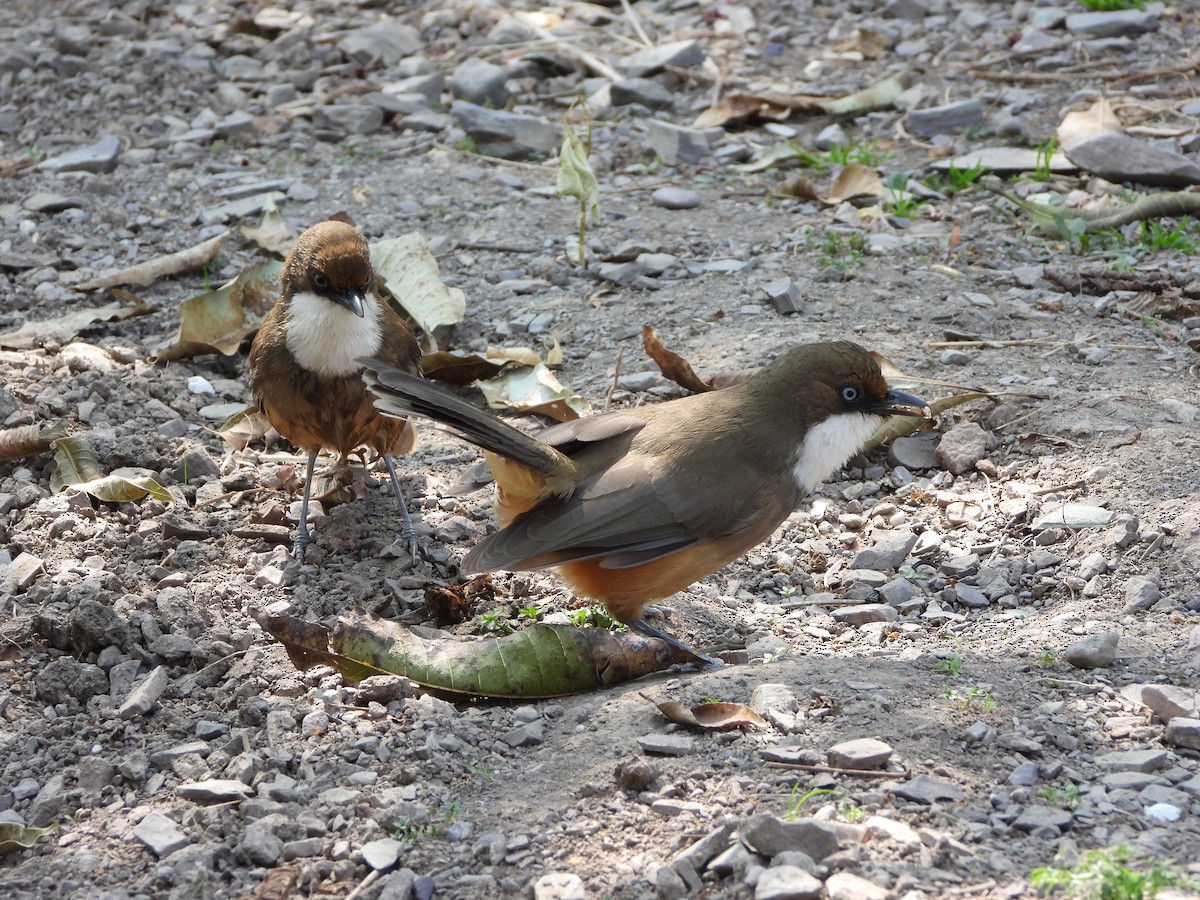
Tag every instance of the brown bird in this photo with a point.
(634, 505)
(304, 368)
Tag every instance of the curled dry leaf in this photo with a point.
(146, 273)
(715, 716)
(218, 321)
(76, 467)
(63, 328)
(1079, 125)
(901, 426)
(671, 364)
(29, 440)
(540, 661)
(740, 107)
(274, 233)
(456, 368)
(342, 484)
(534, 389)
(855, 182)
(239, 430)
(408, 271)
(450, 604)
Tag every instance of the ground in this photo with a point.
(963, 672)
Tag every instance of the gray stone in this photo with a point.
(242, 208)
(216, 790)
(677, 144)
(655, 59)
(1183, 733)
(397, 104)
(1169, 701)
(698, 854)
(784, 294)
(848, 886)
(1164, 812)
(51, 802)
(865, 613)
(887, 552)
(860, 753)
(899, 591)
(1122, 157)
(398, 885)
(559, 886)
(100, 158)
(528, 735)
(1133, 760)
(481, 82)
(961, 447)
(95, 774)
(64, 678)
(644, 91)
(1038, 816)
(382, 854)
(260, 844)
(969, 595)
(1115, 23)
(92, 627)
(1129, 781)
(160, 834)
(912, 10)
(387, 41)
(1007, 161)
(429, 85)
(668, 744)
(915, 452)
(952, 357)
(427, 120)
(352, 118)
(1094, 651)
(1024, 775)
(948, 119)
(195, 463)
(50, 202)
(1072, 515)
(504, 134)
(675, 198)
(925, 789)
(1161, 793)
(1140, 594)
(669, 884)
(831, 136)
(143, 697)
(773, 696)
(770, 836)
(787, 883)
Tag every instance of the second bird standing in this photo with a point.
(632, 506)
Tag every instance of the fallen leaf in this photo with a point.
(777, 156)
(854, 182)
(577, 179)
(409, 273)
(29, 440)
(900, 426)
(146, 273)
(341, 484)
(715, 716)
(533, 389)
(14, 837)
(274, 233)
(450, 604)
(218, 321)
(76, 466)
(540, 661)
(740, 107)
(456, 368)
(239, 430)
(63, 328)
(671, 364)
(1079, 125)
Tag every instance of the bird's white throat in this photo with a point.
(827, 446)
(327, 338)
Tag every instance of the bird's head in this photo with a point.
(332, 261)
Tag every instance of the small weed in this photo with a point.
(1067, 798)
(842, 251)
(711, 699)
(869, 154)
(968, 698)
(901, 203)
(1104, 875)
(34, 153)
(410, 832)
(209, 269)
(795, 803)
(1153, 325)
(530, 612)
(951, 665)
(216, 146)
(774, 656)
(594, 617)
(1156, 236)
(1113, 5)
(788, 591)
(1045, 152)
(852, 813)
(467, 144)
(960, 179)
(1048, 659)
(495, 622)
(478, 769)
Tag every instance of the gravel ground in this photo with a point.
(1016, 677)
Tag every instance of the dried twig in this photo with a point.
(861, 773)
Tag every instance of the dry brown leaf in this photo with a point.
(146, 273)
(854, 182)
(453, 368)
(801, 188)
(274, 233)
(716, 716)
(536, 390)
(742, 107)
(63, 328)
(29, 440)
(239, 430)
(218, 321)
(671, 364)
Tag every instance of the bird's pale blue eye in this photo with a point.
(850, 394)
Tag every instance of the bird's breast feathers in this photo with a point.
(827, 445)
(327, 339)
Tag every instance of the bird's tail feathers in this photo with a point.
(400, 394)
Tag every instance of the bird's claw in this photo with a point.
(644, 627)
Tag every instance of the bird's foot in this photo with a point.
(409, 538)
(303, 539)
(643, 627)
(659, 611)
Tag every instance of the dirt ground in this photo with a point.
(965, 675)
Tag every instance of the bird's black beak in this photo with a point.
(898, 403)
(352, 300)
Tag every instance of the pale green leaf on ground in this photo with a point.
(274, 233)
(76, 466)
(14, 837)
(218, 321)
(408, 271)
(534, 389)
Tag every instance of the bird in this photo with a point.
(304, 373)
(633, 505)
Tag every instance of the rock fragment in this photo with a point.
(1094, 651)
